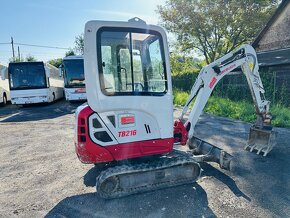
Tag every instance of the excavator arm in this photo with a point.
(244, 58)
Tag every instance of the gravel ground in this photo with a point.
(41, 175)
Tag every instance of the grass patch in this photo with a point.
(241, 110)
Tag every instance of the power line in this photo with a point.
(41, 53)
(41, 46)
(32, 45)
(12, 43)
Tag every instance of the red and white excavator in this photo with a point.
(128, 120)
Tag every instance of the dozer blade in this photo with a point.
(166, 171)
(261, 140)
(205, 152)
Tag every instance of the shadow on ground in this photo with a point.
(35, 112)
(91, 175)
(227, 180)
(182, 201)
(264, 180)
(186, 201)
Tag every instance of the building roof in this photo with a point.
(73, 57)
(279, 10)
(274, 57)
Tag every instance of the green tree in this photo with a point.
(215, 27)
(55, 62)
(30, 58)
(284, 94)
(17, 59)
(180, 64)
(79, 44)
(70, 53)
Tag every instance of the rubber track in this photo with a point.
(174, 159)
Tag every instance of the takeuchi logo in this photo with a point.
(228, 68)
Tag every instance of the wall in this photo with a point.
(278, 35)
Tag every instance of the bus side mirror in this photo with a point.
(60, 71)
(47, 71)
(4, 73)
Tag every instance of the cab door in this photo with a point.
(128, 80)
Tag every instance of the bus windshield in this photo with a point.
(27, 75)
(74, 73)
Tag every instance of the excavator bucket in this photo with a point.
(261, 140)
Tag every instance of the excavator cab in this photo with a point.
(129, 92)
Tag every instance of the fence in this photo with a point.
(235, 87)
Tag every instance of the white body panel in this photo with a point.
(32, 96)
(72, 94)
(4, 85)
(157, 111)
(146, 119)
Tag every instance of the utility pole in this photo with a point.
(18, 54)
(12, 44)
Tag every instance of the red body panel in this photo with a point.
(127, 119)
(139, 149)
(180, 132)
(90, 152)
(86, 149)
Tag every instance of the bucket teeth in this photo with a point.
(261, 140)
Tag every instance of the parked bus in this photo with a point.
(4, 86)
(34, 82)
(74, 79)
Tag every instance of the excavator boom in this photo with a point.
(261, 137)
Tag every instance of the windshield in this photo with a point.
(28, 75)
(132, 63)
(74, 73)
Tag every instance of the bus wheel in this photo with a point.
(4, 99)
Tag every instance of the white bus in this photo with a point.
(4, 86)
(34, 82)
(74, 79)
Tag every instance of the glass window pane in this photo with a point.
(157, 80)
(138, 73)
(125, 70)
(108, 71)
(27, 75)
(73, 73)
(131, 63)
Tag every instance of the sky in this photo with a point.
(56, 23)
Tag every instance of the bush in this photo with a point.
(241, 110)
(180, 97)
(184, 81)
(281, 116)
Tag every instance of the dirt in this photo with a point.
(42, 177)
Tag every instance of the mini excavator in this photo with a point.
(127, 123)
